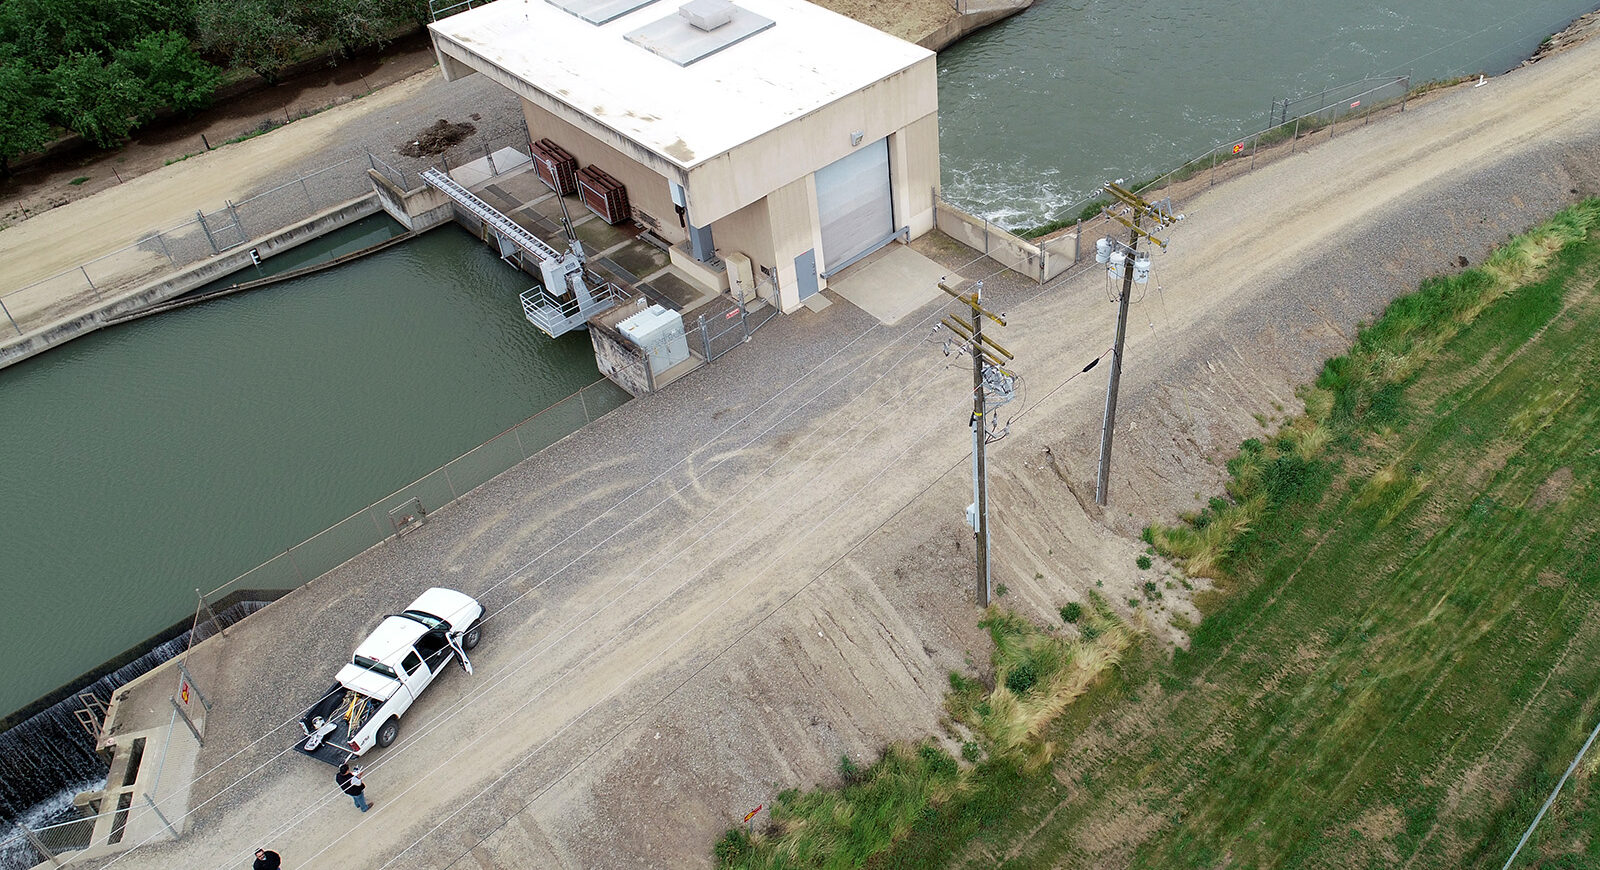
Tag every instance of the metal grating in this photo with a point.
(599, 11)
(679, 41)
(505, 227)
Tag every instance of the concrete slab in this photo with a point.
(891, 283)
(476, 172)
(818, 302)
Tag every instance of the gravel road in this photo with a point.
(716, 591)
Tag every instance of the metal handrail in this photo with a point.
(503, 225)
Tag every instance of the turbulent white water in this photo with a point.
(1037, 111)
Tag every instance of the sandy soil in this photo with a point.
(715, 592)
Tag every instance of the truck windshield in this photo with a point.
(427, 619)
(376, 667)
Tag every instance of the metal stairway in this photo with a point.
(566, 301)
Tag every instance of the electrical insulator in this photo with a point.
(1102, 250)
(1141, 269)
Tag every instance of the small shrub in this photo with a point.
(79, 180)
(1072, 612)
(1134, 603)
(1151, 590)
(1000, 591)
(733, 848)
(1089, 630)
(1143, 562)
(849, 771)
(1022, 678)
(971, 752)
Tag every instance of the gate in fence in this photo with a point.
(223, 228)
(729, 323)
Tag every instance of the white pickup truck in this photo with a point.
(388, 672)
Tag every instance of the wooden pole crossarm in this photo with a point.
(1135, 227)
(964, 333)
(996, 345)
(973, 303)
(1126, 195)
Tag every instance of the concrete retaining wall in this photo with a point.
(970, 23)
(202, 273)
(416, 210)
(615, 356)
(1039, 261)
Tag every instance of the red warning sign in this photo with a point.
(1238, 147)
(183, 691)
(1354, 104)
(752, 814)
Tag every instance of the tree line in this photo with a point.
(104, 68)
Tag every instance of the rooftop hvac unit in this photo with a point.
(659, 333)
(604, 195)
(555, 167)
(707, 15)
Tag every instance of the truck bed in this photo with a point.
(334, 749)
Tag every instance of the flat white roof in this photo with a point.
(687, 114)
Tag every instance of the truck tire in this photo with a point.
(389, 731)
(472, 636)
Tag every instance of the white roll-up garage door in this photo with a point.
(853, 204)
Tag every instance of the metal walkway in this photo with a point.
(504, 226)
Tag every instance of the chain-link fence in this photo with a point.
(1046, 251)
(726, 324)
(407, 508)
(218, 230)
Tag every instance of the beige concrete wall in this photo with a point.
(724, 184)
(914, 174)
(647, 189)
(1013, 252)
(792, 212)
(749, 231)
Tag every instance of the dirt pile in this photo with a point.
(437, 139)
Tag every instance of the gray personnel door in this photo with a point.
(854, 205)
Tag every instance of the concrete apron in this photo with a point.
(891, 284)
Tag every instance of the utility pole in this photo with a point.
(988, 374)
(1134, 267)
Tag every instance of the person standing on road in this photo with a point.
(266, 859)
(349, 781)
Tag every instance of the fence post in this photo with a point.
(38, 844)
(705, 338)
(1254, 145)
(311, 204)
(744, 321)
(489, 156)
(1213, 182)
(90, 280)
(1295, 136)
(207, 228)
(214, 621)
(237, 224)
(1333, 121)
(163, 818)
(9, 317)
(164, 249)
(1077, 241)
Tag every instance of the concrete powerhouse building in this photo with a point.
(772, 129)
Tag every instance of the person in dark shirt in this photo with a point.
(267, 860)
(349, 781)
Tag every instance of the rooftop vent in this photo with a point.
(599, 11)
(707, 15)
(700, 29)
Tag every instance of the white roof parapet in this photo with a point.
(686, 114)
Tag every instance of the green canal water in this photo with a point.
(178, 451)
(1037, 111)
